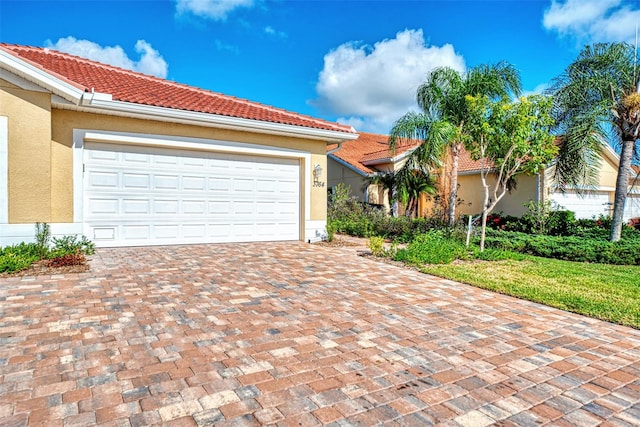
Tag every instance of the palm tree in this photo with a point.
(386, 180)
(412, 183)
(596, 99)
(441, 123)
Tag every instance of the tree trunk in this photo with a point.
(622, 186)
(485, 211)
(453, 194)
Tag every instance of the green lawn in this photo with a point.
(607, 292)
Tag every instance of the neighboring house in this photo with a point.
(540, 188)
(355, 162)
(129, 159)
(360, 159)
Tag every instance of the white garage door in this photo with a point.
(632, 206)
(143, 196)
(589, 205)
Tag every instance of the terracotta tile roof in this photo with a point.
(368, 147)
(128, 86)
(467, 164)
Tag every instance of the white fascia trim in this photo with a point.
(348, 165)
(80, 136)
(4, 170)
(40, 77)
(104, 106)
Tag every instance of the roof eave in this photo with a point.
(349, 165)
(40, 77)
(388, 159)
(75, 97)
(149, 112)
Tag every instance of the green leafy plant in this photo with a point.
(433, 247)
(376, 244)
(72, 244)
(43, 238)
(18, 257)
(569, 248)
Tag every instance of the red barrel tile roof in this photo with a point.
(368, 147)
(129, 86)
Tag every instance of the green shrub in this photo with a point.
(561, 223)
(432, 247)
(331, 230)
(568, 248)
(71, 245)
(43, 238)
(376, 244)
(18, 257)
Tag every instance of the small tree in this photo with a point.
(510, 138)
(412, 183)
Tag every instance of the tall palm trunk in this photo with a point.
(453, 192)
(622, 186)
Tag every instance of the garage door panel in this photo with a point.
(165, 207)
(135, 158)
(142, 195)
(103, 179)
(136, 181)
(220, 184)
(170, 231)
(194, 207)
(135, 207)
(136, 232)
(166, 182)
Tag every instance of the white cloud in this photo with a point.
(590, 21)
(372, 86)
(538, 90)
(273, 32)
(150, 62)
(222, 46)
(218, 10)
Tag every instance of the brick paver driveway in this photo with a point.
(296, 334)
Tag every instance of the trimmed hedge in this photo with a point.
(568, 248)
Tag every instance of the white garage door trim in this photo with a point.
(587, 206)
(81, 136)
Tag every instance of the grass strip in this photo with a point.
(606, 292)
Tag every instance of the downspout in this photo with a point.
(333, 150)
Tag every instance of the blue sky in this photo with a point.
(356, 62)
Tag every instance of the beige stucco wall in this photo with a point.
(471, 193)
(41, 153)
(338, 173)
(29, 153)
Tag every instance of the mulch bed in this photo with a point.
(40, 269)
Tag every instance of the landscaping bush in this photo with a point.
(18, 257)
(497, 255)
(69, 245)
(67, 250)
(569, 248)
(433, 247)
(376, 244)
